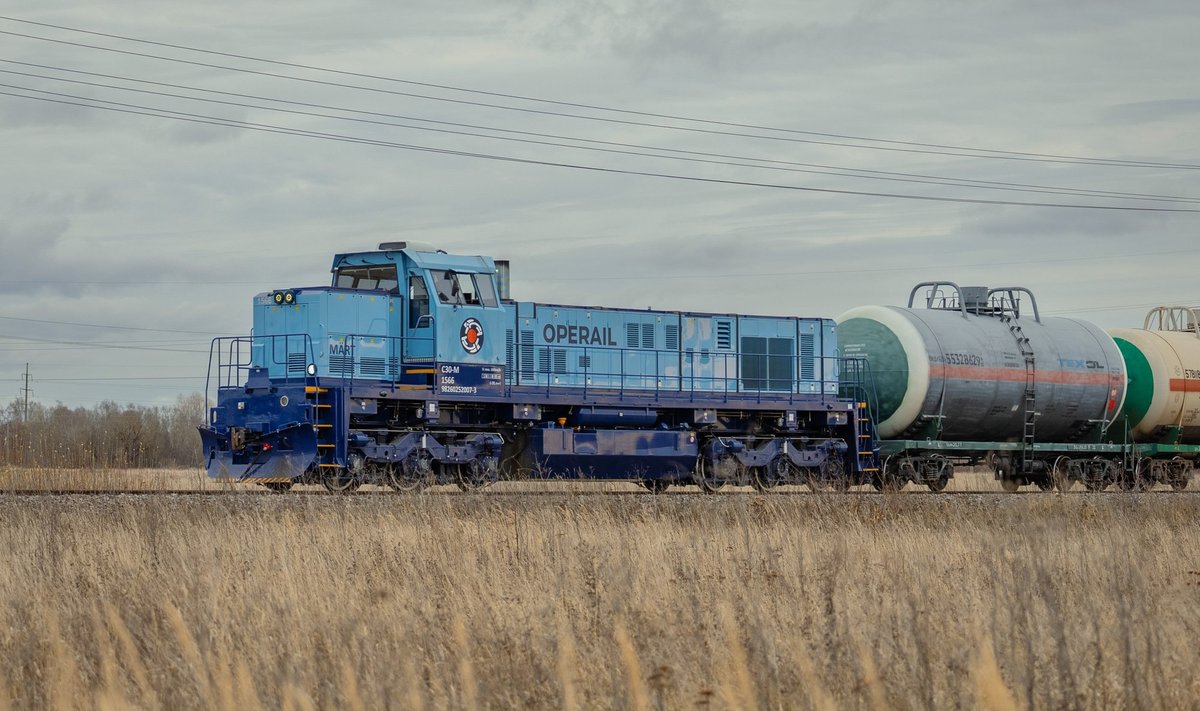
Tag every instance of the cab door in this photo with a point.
(419, 334)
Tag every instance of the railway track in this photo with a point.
(447, 492)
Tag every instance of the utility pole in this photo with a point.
(26, 391)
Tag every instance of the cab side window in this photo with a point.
(418, 302)
(486, 289)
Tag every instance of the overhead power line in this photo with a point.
(890, 144)
(595, 145)
(134, 109)
(893, 145)
(108, 326)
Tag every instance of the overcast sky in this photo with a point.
(115, 219)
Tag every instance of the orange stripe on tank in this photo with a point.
(1182, 385)
(1017, 375)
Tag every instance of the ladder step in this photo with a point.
(322, 406)
(326, 446)
(420, 371)
(330, 466)
(310, 389)
(873, 469)
(865, 454)
(324, 426)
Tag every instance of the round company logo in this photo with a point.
(471, 336)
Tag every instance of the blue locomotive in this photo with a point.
(414, 367)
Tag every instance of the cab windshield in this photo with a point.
(373, 277)
(461, 288)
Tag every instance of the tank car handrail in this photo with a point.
(936, 286)
(1017, 289)
(1173, 318)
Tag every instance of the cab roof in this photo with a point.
(418, 256)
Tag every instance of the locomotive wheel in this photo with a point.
(478, 473)
(346, 481)
(704, 478)
(411, 475)
(832, 475)
(760, 479)
(278, 486)
(655, 486)
(402, 481)
(339, 481)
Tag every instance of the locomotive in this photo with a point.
(414, 367)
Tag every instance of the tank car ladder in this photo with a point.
(1028, 436)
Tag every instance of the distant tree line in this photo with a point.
(106, 435)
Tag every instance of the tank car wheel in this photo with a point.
(278, 486)
(1060, 473)
(1094, 483)
(888, 479)
(1009, 484)
(1179, 473)
(1045, 484)
(945, 471)
(655, 486)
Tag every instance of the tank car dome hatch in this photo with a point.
(1163, 363)
(960, 368)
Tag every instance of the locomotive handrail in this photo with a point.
(235, 355)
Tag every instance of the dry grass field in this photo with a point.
(581, 601)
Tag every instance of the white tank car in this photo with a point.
(1163, 363)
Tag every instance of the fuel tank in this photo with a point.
(1163, 363)
(971, 365)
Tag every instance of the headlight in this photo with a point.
(289, 297)
(277, 297)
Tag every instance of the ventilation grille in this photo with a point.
(808, 369)
(585, 362)
(341, 365)
(671, 335)
(648, 336)
(296, 363)
(724, 335)
(631, 335)
(527, 364)
(510, 353)
(371, 367)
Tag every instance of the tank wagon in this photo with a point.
(1162, 405)
(976, 375)
(414, 367)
